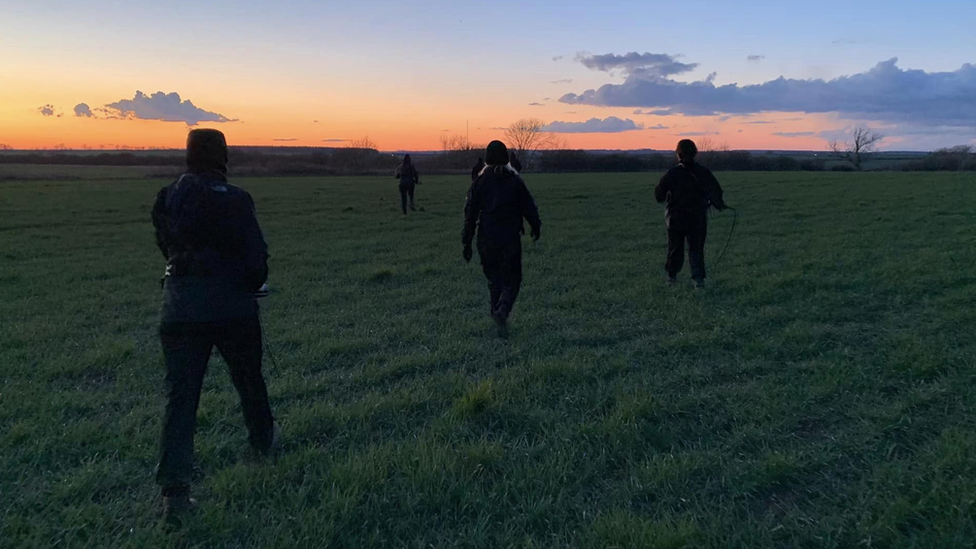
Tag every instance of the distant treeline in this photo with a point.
(584, 161)
(351, 161)
(953, 159)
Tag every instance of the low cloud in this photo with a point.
(558, 57)
(536, 104)
(659, 112)
(637, 65)
(334, 140)
(167, 107)
(794, 134)
(46, 110)
(659, 127)
(285, 139)
(884, 93)
(563, 81)
(755, 58)
(757, 122)
(697, 134)
(82, 109)
(594, 125)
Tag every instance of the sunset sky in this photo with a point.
(614, 74)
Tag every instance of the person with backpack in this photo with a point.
(216, 267)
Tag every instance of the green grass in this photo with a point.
(820, 393)
(56, 172)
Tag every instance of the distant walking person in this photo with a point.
(409, 178)
(497, 202)
(689, 189)
(216, 259)
(514, 162)
(476, 170)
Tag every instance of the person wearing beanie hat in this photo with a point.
(216, 261)
(689, 189)
(497, 202)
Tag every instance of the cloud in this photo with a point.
(795, 134)
(755, 58)
(563, 81)
(168, 107)
(334, 140)
(315, 121)
(82, 109)
(659, 127)
(593, 125)
(637, 65)
(697, 134)
(535, 104)
(286, 139)
(883, 93)
(759, 122)
(659, 112)
(46, 110)
(558, 57)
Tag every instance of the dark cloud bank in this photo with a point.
(884, 93)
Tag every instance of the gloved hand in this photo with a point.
(467, 253)
(536, 232)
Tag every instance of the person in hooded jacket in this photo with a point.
(409, 179)
(496, 205)
(216, 261)
(689, 190)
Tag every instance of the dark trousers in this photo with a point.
(502, 266)
(186, 349)
(405, 192)
(693, 231)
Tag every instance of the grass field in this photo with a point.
(820, 393)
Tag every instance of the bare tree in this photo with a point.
(705, 144)
(864, 142)
(457, 143)
(363, 143)
(526, 136)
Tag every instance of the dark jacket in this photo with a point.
(407, 175)
(689, 190)
(216, 256)
(497, 202)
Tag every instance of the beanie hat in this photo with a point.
(496, 154)
(206, 149)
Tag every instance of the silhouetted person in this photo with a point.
(409, 178)
(497, 202)
(476, 170)
(689, 190)
(216, 259)
(514, 161)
